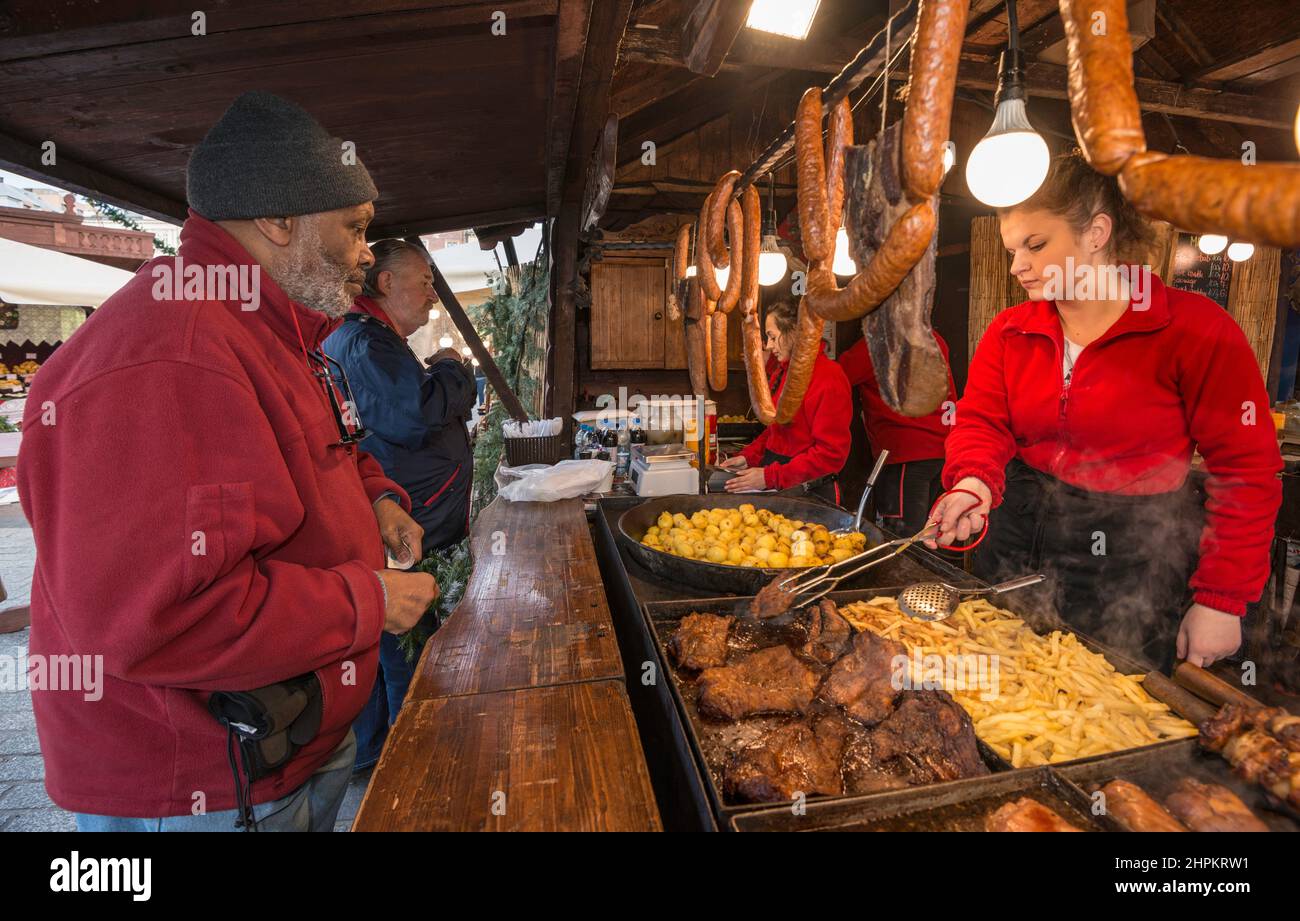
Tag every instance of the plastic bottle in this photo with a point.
(624, 450)
(608, 443)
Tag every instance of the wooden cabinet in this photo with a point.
(629, 316)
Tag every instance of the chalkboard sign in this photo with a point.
(1195, 271)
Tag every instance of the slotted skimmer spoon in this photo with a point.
(938, 600)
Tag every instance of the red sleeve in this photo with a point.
(376, 483)
(828, 406)
(857, 366)
(981, 443)
(1228, 416)
(754, 451)
(158, 540)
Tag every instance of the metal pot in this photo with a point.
(715, 577)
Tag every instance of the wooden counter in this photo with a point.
(517, 718)
(534, 613)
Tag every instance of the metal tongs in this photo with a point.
(809, 579)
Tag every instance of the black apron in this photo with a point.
(1117, 566)
(906, 492)
(827, 487)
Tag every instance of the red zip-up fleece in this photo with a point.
(1160, 382)
(907, 438)
(197, 528)
(817, 439)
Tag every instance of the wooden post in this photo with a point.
(470, 335)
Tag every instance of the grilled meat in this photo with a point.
(771, 680)
(862, 682)
(802, 757)
(1130, 805)
(772, 600)
(1211, 807)
(1026, 814)
(828, 633)
(864, 772)
(1261, 743)
(933, 736)
(701, 641)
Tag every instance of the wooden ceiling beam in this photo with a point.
(683, 112)
(570, 47)
(36, 28)
(1283, 50)
(22, 158)
(1049, 80)
(524, 213)
(709, 32)
(635, 94)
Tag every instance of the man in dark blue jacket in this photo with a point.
(417, 419)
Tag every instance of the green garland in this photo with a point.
(451, 568)
(118, 216)
(511, 319)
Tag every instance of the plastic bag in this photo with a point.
(566, 480)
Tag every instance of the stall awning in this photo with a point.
(31, 275)
(466, 267)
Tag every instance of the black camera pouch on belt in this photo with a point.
(268, 725)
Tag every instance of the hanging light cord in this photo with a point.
(1013, 27)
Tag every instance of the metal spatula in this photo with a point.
(938, 600)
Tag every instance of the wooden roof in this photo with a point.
(1212, 76)
(462, 127)
(459, 126)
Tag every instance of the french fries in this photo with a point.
(1052, 700)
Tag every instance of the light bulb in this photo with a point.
(1011, 161)
(771, 262)
(791, 18)
(1240, 252)
(1212, 243)
(722, 275)
(474, 362)
(843, 263)
(434, 314)
(445, 342)
(465, 351)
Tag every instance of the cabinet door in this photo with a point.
(628, 308)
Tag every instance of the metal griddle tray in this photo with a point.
(961, 805)
(710, 740)
(1159, 768)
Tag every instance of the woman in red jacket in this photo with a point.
(910, 480)
(1081, 412)
(812, 445)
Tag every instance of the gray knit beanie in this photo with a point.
(266, 157)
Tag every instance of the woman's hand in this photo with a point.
(752, 478)
(1207, 635)
(959, 515)
(734, 463)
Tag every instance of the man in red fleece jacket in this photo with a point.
(203, 519)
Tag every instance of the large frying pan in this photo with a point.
(714, 577)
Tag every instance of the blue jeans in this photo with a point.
(391, 681)
(312, 807)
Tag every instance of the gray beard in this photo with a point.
(310, 278)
